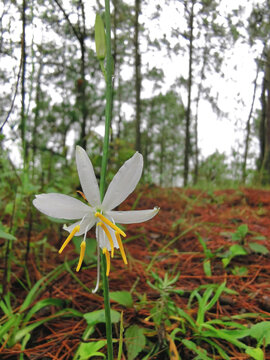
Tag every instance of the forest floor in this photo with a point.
(169, 243)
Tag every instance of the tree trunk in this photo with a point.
(36, 118)
(244, 165)
(23, 56)
(137, 77)
(265, 125)
(188, 110)
(202, 76)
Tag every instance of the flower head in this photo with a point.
(98, 213)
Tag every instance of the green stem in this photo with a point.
(108, 113)
(105, 282)
(108, 110)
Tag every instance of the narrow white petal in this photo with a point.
(86, 224)
(87, 177)
(61, 206)
(133, 216)
(124, 182)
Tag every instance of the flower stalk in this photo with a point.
(108, 114)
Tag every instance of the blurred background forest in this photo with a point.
(167, 83)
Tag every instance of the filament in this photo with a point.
(108, 222)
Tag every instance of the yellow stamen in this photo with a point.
(108, 222)
(108, 236)
(82, 194)
(108, 261)
(73, 232)
(121, 247)
(83, 246)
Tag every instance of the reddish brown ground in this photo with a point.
(183, 215)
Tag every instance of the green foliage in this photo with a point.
(240, 233)
(98, 316)
(222, 329)
(89, 350)
(208, 256)
(122, 297)
(234, 250)
(214, 169)
(5, 235)
(258, 248)
(16, 325)
(134, 340)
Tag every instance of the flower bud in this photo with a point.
(100, 38)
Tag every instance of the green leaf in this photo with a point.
(98, 316)
(122, 297)
(90, 349)
(261, 332)
(240, 270)
(255, 353)
(207, 267)
(4, 235)
(135, 341)
(41, 304)
(20, 334)
(5, 328)
(240, 233)
(192, 346)
(237, 250)
(234, 250)
(258, 248)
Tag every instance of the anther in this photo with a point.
(108, 222)
(108, 261)
(121, 247)
(83, 246)
(82, 194)
(73, 232)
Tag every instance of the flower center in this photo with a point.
(117, 231)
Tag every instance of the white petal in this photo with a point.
(124, 182)
(133, 216)
(87, 177)
(61, 206)
(86, 224)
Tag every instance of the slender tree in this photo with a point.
(23, 57)
(190, 11)
(137, 76)
(248, 127)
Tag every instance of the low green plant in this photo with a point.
(206, 331)
(242, 247)
(16, 324)
(208, 255)
(88, 348)
(234, 250)
(163, 308)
